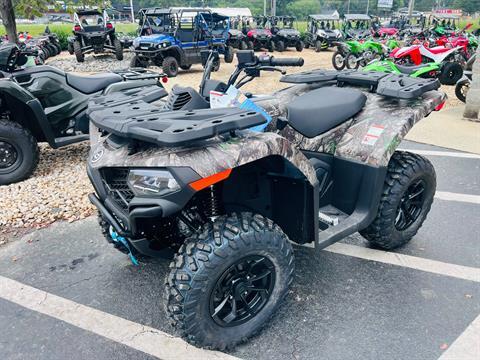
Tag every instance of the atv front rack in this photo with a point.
(146, 122)
(391, 85)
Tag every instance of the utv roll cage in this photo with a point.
(447, 21)
(282, 22)
(90, 27)
(323, 22)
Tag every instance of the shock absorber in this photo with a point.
(212, 204)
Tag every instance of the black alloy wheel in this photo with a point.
(242, 291)
(9, 155)
(411, 205)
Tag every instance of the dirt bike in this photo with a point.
(194, 179)
(451, 59)
(430, 70)
(45, 104)
(353, 54)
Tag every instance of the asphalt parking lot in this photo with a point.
(65, 293)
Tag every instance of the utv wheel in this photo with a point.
(300, 46)
(118, 49)
(19, 152)
(451, 73)
(280, 46)
(318, 46)
(406, 200)
(271, 46)
(77, 49)
(226, 282)
(243, 45)
(461, 90)
(137, 62)
(338, 60)
(170, 66)
(186, 67)
(250, 45)
(229, 53)
(70, 48)
(351, 61)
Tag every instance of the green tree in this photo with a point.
(302, 8)
(30, 8)
(7, 14)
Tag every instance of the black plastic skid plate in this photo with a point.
(392, 85)
(146, 122)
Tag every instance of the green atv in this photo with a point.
(429, 70)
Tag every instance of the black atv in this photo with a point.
(284, 33)
(229, 201)
(93, 33)
(236, 38)
(44, 104)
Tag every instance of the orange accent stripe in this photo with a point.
(210, 180)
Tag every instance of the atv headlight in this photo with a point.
(136, 43)
(152, 182)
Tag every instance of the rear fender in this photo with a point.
(426, 70)
(26, 110)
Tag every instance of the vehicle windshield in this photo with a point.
(91, 20)
(157, 24)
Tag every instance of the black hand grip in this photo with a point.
(286, 61)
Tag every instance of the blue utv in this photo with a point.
(174, 38)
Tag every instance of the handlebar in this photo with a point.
(286, 61)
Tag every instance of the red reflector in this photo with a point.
(76, 28)
(210, 180)
(109, 26)
(440, 106)
(164, 79)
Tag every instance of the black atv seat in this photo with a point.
(323, 109)
(410, 69)
(89, 84)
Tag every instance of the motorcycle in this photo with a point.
(451, 59)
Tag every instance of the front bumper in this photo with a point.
(128, 213)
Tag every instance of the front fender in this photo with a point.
(209, 158)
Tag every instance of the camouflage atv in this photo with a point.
(183, 177)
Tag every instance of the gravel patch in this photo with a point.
(58, 189)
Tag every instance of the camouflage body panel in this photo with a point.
(205, 158)
(370, 137)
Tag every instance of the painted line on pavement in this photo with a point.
(443, 153)
(140, 337)
(408, 261)
(449, 196)
(467, 345)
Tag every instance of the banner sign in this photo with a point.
(385, 4)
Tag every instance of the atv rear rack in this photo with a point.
(138, 74)
(146, 122)
(390, 85)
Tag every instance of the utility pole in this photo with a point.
(132, 12)
(274, 8)
(368, 5)
(411, 4)
(264, 7)
(348, 7)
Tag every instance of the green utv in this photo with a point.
(44, 104)
(191, 178)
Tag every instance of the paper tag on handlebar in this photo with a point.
(235, 98)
